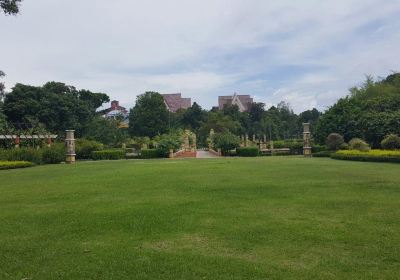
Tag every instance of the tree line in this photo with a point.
(369, 112)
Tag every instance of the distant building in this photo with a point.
(242, 101)
(115, 110)
(175, 101)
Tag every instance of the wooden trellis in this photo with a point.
(15, 132)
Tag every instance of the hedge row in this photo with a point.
(54, 154)
(108, 154)
(373, 156)
(247, 152)
(14, 164)
(323, 154)
(150, 153)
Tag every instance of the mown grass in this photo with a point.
(241, 218)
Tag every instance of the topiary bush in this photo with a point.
(150, 153)
(108, 154)
(391, 142)
(85, 147)
(359, 145)
(247, 152)
(334, 141)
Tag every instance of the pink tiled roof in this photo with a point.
(174, 101)
(246, 100)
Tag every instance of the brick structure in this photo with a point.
(242, 101)
(175, 101)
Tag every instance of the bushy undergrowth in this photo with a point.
(108, 154)
(247, 152)
(371, 155)
(54, 154)
(85, 147)
(14, 164)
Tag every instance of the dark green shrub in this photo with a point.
(226, 141)
(150, 153)
(85, 147)
(279, 144)
(54, 154)
(296, 147)
(247, 152)
(359, 145)
(14, 164)
(391, 142)
(344, 146)
(323, 154)
(108, 154)
(334, 141)
(22, 154)
(167, 142)
(318, 148)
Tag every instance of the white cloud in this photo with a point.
(204, 48)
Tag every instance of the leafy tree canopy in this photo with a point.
(56, 105)
(370, 112)
(10, 7)
(149, 117)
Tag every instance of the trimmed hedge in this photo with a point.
(372, 155)
(85, 147)
(150, 153)
(247, 152)
(108, 155)
(323, 154)
(14, 164)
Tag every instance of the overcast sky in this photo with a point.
(306, 52)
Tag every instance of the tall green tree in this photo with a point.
(193, 117)
(10, 7)
(55, 105)
(149, 117)
(370, 112)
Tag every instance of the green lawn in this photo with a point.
(254, 218)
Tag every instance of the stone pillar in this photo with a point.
(171, 153)
(307, 140)
(241, 141)
(17, 141)
(219, 152)
(254, 138)
(70, 147)
(265, 138)
(246, 140)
